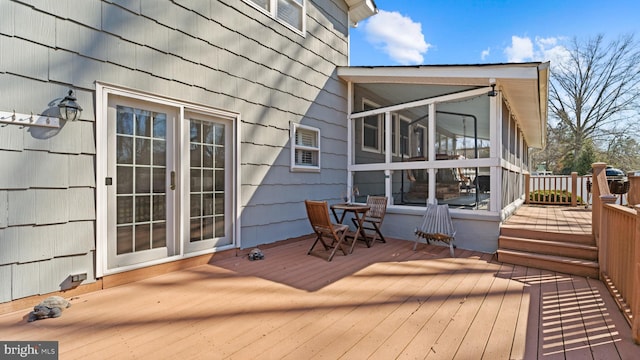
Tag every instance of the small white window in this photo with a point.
(372, 134)
(289, 12)
(305, 148)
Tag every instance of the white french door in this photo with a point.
(140, 182)
(166, 175)
(209, 171)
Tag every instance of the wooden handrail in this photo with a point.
(616, 229)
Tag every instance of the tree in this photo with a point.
(586, 158)
(592, 91)
(623, 153)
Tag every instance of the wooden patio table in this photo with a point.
(359, 212)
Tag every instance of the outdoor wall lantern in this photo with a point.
(493, 91)
(69, 108)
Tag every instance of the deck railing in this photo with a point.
(570, 190)
(617, 232)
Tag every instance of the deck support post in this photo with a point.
(574, 189)
(595, 198)
(633, 196)
(635, 306)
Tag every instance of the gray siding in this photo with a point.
(221, 53)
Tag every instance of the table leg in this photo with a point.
(340, 219)
(360, 218)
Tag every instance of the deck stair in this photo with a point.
(562, 252)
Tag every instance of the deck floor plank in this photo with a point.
(444, 283)
(460, 331)
(506, 321)
(520, 338)
(423, 283)
(444, 309)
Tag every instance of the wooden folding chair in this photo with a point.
(437, 226)
(373, 218)
(318, 214)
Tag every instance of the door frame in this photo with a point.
(103, 91)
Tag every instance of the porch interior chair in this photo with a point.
(318, 214)
(373, 219)
(436, 226)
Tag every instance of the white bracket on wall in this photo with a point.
(29, 119)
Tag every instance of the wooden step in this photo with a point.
(549, 247)
(519, 232)
(580, 267)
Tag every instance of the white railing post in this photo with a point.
(527, 187)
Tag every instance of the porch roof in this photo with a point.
(524, 86)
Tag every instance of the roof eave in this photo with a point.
(543, 88)
(360, 10)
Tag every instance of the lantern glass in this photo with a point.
(69, 109)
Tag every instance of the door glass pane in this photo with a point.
(142, 118)
(143, 237)
(159, 229)
(125, 209)
(207, 180)
(195, 230)
(143, 151)
(143, 180)
(159, 208)
(124, 123)
(140, 173)
(124, 154)
(125, 180)
(159, 149)
(159, 180)
(208, 228)
(124, 242)
(160, 126)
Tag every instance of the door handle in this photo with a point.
(173, 180)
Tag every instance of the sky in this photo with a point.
(433, 32)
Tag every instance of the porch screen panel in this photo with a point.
(141, 157)
(367, 183)
(207, 180)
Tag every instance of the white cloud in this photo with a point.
(485, 53)
(550, 49)
(546, 49)
(398, 36)
(521, 49)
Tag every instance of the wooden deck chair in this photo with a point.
(373, 218)
(436, 226)
(318, 214)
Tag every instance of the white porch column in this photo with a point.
(431, 153)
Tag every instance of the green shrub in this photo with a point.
(552, 196)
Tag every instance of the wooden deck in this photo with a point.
(383, 302)
(557, 219)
